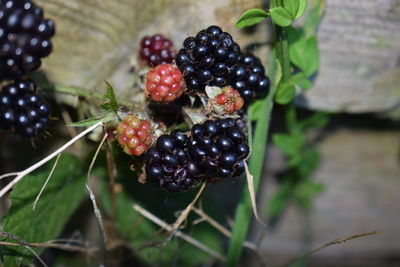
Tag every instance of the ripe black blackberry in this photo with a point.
(24, 37)
(22, 110)
(207, 58)
(248, 77)
(169, 165)
(219, 148)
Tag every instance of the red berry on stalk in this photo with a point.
(164, 83)
(156, 50)
(134, 135)
(229, 99)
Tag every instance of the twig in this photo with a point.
(221, 228)
(9, 175)
(72, 130)
(24, 244)
(250, 184)
(45, 184)
(97, 212)
(22, 174)
(185, 213)
(178, 233)
(100, 222)
(334, 242)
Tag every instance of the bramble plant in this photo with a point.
(200, 116)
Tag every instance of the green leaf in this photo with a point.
(93, 121)
(276, 3)
(292, 7)
(285, 93)
(289, 144)
(314, 16)
(317, 120)
(306, 191)
(302, 80)
(61, 197)
(302, 8)
(305, 54)
(111, 104)
(281, 17)
(310, 161)
(251, 17)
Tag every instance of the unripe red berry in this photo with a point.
(156, 50)
(229, 99)
(164, 83)
(134, 135)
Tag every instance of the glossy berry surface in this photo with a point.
(219, 148)
(156, 50)
(164, 83)
(248, 77)
(169, 165)
(229, 100)
(24, 37)
(134, 135)
(22, 110)
(207, 58)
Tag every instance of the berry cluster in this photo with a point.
(214, 149)
(24, 37)
(207, 59)
(22, 111)
(134, 135)
(164, 83)
(156, 50)
(248, 77)
(229, 99)
(169, 165)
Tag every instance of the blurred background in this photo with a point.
(351, 143)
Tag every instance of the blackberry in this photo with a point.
(22, 110)
(169, 165)
(156, 50)
(219, 147)
(207, 58)
(24, 37)
(248, 77)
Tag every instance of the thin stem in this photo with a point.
(76, 91)
(178, 233)
(38, 164)
(282, 53)
(334, 242)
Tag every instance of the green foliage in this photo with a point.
(284, 12)
(256, 162)
(62, 195)
(142, 234)
(281, 16)
(92, 121)
(303, 160)
(304, 54)
(285, 92)
(111, 105)
(302, 80)
(251, 17)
